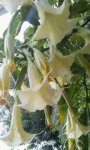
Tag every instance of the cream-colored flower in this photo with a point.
(40, 92)
(60, 65)
(4, 80)
(55, 23)
(74, 129)
(16, 134)
(39, 99)
(11, 5)
(8, 49)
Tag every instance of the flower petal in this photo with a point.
(60, 64)
(39, 99)
(54, 22)
(4, 79)
(16, 134)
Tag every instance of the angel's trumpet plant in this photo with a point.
(16, 134)
(4, 82)
(54, 22)
(40, 94)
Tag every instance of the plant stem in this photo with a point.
(70, 144)
(48, 117)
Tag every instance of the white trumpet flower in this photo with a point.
(74, 129)
(16, 134)
(11, 5)
(40, 94)
(38, 100)
(55, 23)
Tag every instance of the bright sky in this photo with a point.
(4, 21)
(20, 36)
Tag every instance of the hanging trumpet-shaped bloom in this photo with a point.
(74, 129)
(8, 48)
(60, 65)
(38, 100)
(16, 134)
(40, 92)
(4, 81)
(55, 23)
(11, 5)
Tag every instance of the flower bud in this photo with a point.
(4, 79)
(40, 62)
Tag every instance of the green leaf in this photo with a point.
(21, 77)
(79, 8)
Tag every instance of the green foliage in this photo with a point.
(82, 8)
(33, 122)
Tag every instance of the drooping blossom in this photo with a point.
(16, 134)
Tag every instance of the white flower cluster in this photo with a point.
(55, 24)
